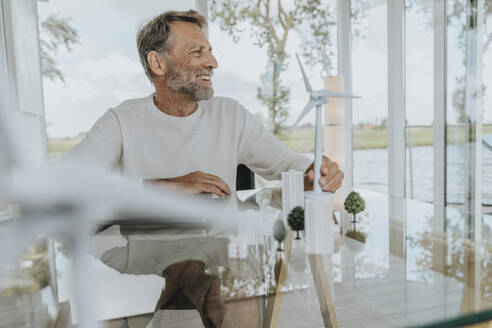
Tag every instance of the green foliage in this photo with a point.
(354, 203)
(270, 24)
(54, 33)
(296, 218)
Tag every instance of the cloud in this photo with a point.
(112, 24)
(92, 87)
(228, 84)
(420, 86)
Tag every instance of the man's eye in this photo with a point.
(197, 52)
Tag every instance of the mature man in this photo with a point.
(183, 138)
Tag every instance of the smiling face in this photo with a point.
(190, 62)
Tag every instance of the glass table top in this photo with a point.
(413, 265)
(415, 268)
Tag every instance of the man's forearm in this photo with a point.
(155, 182)
(194, 183)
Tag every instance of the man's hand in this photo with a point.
(194, 183)
(331, 176)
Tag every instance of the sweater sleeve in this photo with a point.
(102, 145)
(263, 153)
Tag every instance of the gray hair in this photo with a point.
(156, 34)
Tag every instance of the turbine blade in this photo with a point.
(306, 110)
(304, 76)
(332, 94)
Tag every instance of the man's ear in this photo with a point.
(157, 63)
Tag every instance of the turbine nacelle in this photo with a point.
(318, 98)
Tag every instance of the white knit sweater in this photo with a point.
(143, 142)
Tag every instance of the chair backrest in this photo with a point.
(245, 178)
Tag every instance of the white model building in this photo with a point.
(319, 224)
(292, 192)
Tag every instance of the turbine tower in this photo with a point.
(317, 98)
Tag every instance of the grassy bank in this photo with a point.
(302, 139)
(57, 147)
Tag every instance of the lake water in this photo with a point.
(371, 172)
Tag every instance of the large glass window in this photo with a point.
(99, 69)
(369, 76)
(456, 118)
(468, 181)
(487, 114)
(261, 71)
(419, 99)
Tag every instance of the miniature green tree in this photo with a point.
(354, 204)
(279, 233)
(296, 220)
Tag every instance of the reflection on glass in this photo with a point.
(464, 113)
(487, 115)
(455, 116)
(369, 70)
(436, 275)
(27, 294)
(419, 245)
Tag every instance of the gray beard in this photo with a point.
(181, 81)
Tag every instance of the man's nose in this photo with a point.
(211, 62)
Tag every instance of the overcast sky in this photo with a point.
(103, 70)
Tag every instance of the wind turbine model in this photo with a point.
(68, 200)
(317, 98)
